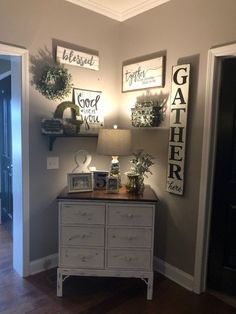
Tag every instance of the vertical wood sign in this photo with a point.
(178, 124)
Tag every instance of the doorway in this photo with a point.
(215, 55)
(221, 271)
(6, 149)
(20, 155)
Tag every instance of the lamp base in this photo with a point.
(115, 168)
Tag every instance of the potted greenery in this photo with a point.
(140, 166)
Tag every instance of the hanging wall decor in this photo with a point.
(77, 58)
(178, 124)
(54, 82)
(142, 75)
(90, 106)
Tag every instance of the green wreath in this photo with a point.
(54, 82)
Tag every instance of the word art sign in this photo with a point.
(145, 74)
(178, 124)
(78, 58)
(89, 103)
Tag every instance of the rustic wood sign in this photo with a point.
(145, 74)
(78, 58)
(178, 124)
(89, 103)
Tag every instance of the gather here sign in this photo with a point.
(178, 124)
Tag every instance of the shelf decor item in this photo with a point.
(113, 184)
(54, 82)
(100, 179)
(140, 166)
(80, 182)
(71, 125)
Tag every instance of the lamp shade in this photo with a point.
(114, 142)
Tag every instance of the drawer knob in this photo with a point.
(130, 215)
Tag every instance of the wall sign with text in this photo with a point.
(90, 106)
(178, 124)
(141, 75)
(78, 58)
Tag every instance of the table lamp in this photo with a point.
(114, 142)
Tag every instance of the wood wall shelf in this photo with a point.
(52, 138)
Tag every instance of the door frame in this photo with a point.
(20, 155)
(208, 162)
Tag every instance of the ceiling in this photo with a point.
(119, 10)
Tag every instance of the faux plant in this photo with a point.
(54, 82)
(141, 163)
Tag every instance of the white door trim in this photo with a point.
(20, 148)
(207, 168)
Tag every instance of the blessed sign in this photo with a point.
(78, 58)
(91, 112)
(145, 74)
(178, 123)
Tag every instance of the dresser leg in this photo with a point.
(150, 287)
(59, 283)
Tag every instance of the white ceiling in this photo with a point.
(119, 10)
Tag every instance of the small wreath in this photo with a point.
(54, 82)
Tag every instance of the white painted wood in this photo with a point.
(178, 124)
(81, 257)
(77, 58)
(207, 168)
(89, 236)
(129, 237)
(131, 255)
(43, 264)
(82, 213)
(173, 273)
(134, 215)
(128, 259)
(20, 155)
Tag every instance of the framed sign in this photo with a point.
(90, 106)
(141, 75)
(80, 182)
(113, 185)
(100, 179)
(178, 124)
(77, 58)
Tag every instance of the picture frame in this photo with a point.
(80, 182)
(142, 75)
(100, 179)
(112, 184)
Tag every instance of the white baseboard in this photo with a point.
(175, 274)
(43, 264)
(180, 277)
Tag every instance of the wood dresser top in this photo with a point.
(147, 196)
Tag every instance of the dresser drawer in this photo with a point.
(89, 236)
(130, 215)
(129, 237)
(75, 213)
(82, 258)
(129, 259)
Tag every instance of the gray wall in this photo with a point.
(184, 31)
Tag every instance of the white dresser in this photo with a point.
(109, 235)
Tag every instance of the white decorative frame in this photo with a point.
(142, 75)
(112, 184)
(80, 182)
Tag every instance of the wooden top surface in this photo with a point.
(147, 196)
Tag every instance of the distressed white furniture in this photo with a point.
(103, 234)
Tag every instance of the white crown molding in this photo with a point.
(140, 8)
(115, 14)
(94, 6)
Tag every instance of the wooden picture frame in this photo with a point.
(112, 185)
(100, 179)
(80, 182)
(143, 74)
